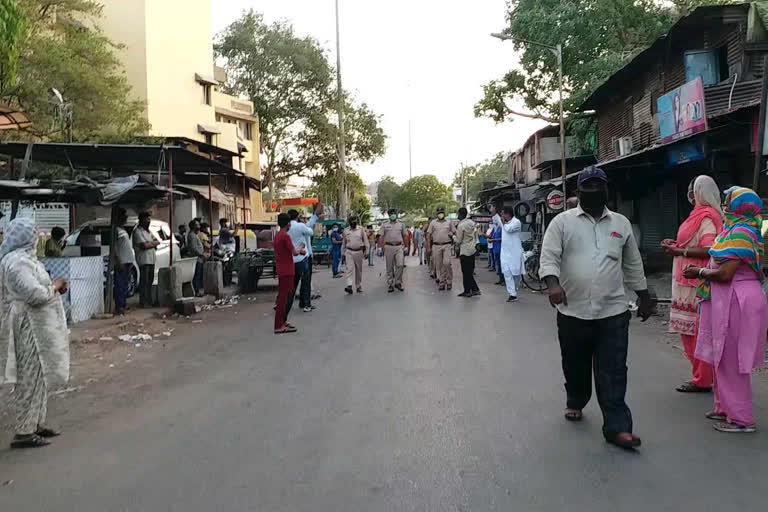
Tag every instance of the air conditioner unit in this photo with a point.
(622, 146)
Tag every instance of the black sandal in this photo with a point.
(29, 441)
(690, 387)
(47, 432)
(574, 415)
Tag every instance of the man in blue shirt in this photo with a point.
(336, 241)
(301, 233)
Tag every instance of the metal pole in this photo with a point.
(340, 107)
(170, 201)
(410, 152)
(562, 122)
(761, 128)
(244, 245)
(210, 215)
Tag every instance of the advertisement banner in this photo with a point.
(682, 111)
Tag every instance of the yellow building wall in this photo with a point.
(124, 22)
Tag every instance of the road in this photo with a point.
(387, 402)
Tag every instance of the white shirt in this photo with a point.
(511, 257)
(302, 233)
(593, 260)
(123, 247)
(488, 234)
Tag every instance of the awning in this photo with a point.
(217, 195)
(11, 119)
(237, 115)
(205, 79)
(208, 129)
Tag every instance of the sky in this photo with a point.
(423, 61)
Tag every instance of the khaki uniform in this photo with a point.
(355, 247)
(393, 236)
(441, 233)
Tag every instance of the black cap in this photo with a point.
(592, 173)
(391, 211)
(440, 209)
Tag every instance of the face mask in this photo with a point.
(593, 201)
(441, 216)
(393, 217)
(334, 229)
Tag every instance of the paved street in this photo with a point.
(391, 402)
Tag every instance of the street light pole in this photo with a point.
(558, 52)
(340, 107)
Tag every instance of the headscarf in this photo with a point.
(21, 233)
(707, 197)
(741, 239)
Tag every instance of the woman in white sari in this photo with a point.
(34, 340)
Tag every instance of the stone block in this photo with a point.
(213, 278)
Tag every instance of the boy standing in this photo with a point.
(284, 253)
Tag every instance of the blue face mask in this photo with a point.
(393, 217)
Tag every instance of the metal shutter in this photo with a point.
(658, 216)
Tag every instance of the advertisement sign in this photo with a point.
(556, 200)
(686, 151)
(682, 112)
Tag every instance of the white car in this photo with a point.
(158, 228)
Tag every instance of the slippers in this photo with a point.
(690, 387)
(29, 441)
(624, 440)
(285, 330)
(573, 415)
(47, 432)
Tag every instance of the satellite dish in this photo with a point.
(56, 95)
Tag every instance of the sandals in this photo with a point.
(716, 416)
(47, 432)
(734, 428)
(624, 440)
(29, 441)
(285, 330)
(690, 387)
(573, 415)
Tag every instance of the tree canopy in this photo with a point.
(492, 171)
(61, 46)
(290, 81)
(598, 37)
(418, 196)
(327, 188)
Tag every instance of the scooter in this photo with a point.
(227, 258)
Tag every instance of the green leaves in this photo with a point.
(12, 28)
(417, 196)
(492, 171)
(292, 86)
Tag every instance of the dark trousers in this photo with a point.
(197, 280)
(497, 265)
(146, 278)
(336, 256)
(468, 274)
(122, 280)
(602, 343)
(301, 282)
(284, 300)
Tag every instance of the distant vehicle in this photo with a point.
(158, 228)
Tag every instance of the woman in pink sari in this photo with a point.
(694, 238)
(734, 311)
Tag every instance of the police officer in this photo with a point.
(355, 247)
(441, 233)
(391, 240)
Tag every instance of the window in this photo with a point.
(209, 139)
(245, 129)
(710, 65)
(206, 94)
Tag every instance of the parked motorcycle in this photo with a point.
(227, 258)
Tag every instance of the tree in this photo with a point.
(421, 193)
(12, 28)
(76, 58)
(492, 171)
(598, 37)
(327, 187)
(290, 82)
(388, 194)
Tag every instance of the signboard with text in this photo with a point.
(682, 111)
(556, 200)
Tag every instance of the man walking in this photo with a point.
(588, 256)
(301, 233)
(418, 243)
(337, 241)
(371, 244)
(124, 260)
(355, 247)
(391, 240)
(511, 256)
(196, 249)
(441, 233)
(466, 238)
(285, 268)
(145, 245)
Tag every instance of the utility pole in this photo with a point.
(340, 107)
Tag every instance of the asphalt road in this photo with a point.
(386, 402)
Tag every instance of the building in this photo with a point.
(686, 105)
(168, 58)
(539, 159)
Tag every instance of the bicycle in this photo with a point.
(530, 277)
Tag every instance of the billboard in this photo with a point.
(681, 111)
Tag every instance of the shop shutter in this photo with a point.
(49, 215)
(658, 216)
